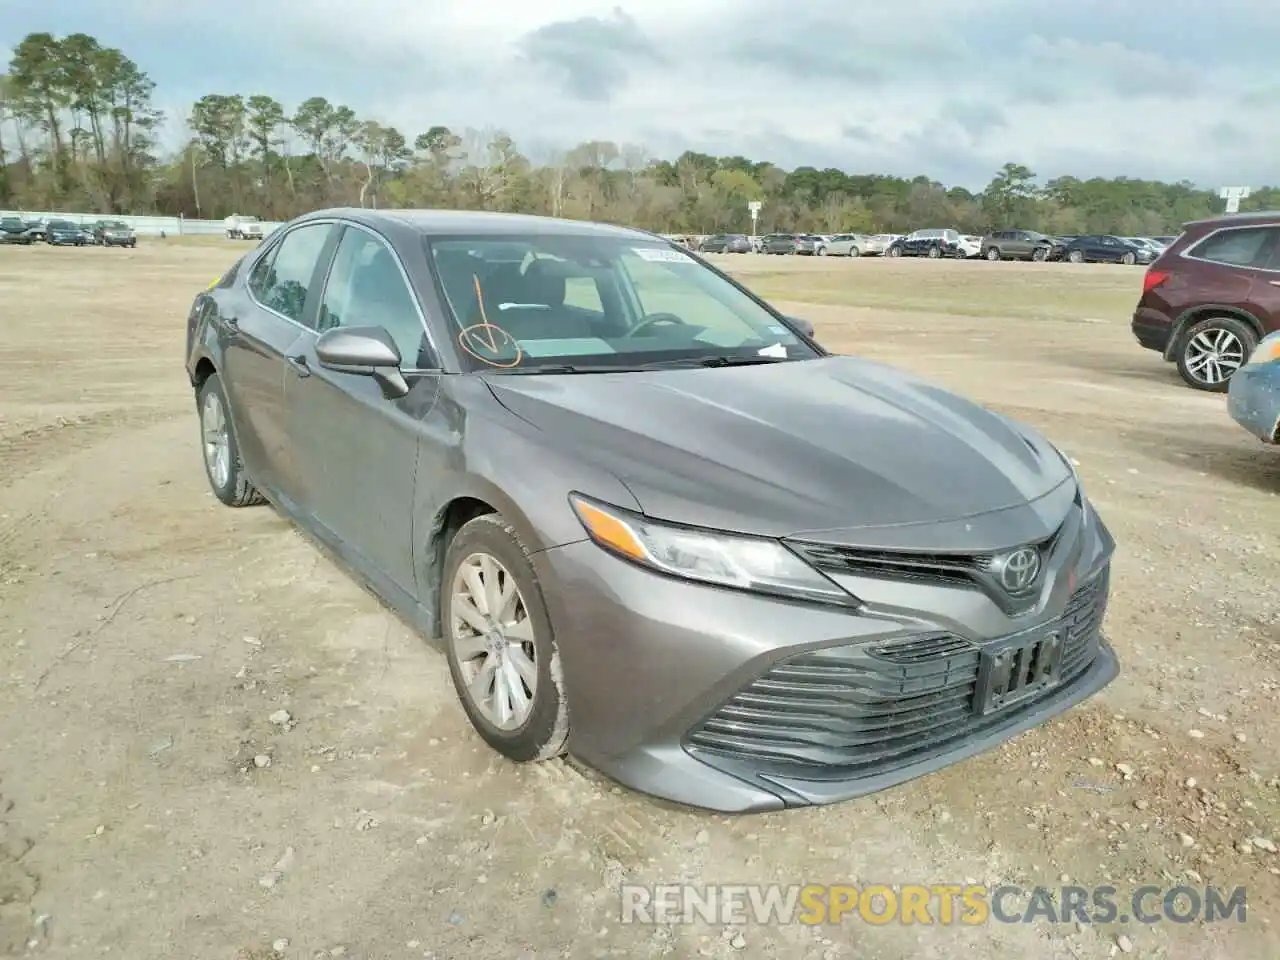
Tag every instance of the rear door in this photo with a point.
(356, 450)
(1237, 267)
(257, 328)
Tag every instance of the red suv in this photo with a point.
(1212, 295)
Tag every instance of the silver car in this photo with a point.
(654, 523)
(850, 245)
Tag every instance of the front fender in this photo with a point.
(492, 456)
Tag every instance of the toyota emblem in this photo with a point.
(1018, 570)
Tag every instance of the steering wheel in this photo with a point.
(658, 320)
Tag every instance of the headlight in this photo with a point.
(744, 563)
(1265, 352)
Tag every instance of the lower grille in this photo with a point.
(853, 711)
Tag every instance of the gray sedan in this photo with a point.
(654, 523)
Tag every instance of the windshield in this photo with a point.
(114, 225)
(61, 225)
(523, 302)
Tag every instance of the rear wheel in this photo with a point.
(855, 252)
(1212, 350)
(934, 253)
(221, 453)
(502, 651)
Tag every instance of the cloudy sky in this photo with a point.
(1174, 89)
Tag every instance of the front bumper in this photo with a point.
(741, 703)
(1253, 400)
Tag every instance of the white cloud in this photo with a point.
(949, 88)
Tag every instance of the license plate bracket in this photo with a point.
(1018, 668)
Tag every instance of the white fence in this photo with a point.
(142, 226)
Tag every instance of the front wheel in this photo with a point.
(501, 648)
(895, 251)
(1212, 350)
(1040, 254)
(221, 453)
(1075, 256)
(934, 253)
(993, 254)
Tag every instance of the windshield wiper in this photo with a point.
(719, 360)
(553, 368)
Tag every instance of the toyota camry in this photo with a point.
(652, 521)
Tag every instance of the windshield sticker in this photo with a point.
(776, 350)
(660, 255)
(488, 342)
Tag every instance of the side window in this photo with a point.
(260, 278)
(367, 289)
(584, 293)
(288, 276)
(1238, 248)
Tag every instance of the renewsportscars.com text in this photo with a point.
(932, 904)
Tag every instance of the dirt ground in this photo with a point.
(148, 635)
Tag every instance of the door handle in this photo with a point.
(299, 364)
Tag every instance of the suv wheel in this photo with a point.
(1212, 350)
(1040, 254)
(993, 254)
(934, 253)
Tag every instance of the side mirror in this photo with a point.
(365, 352)
(804, 325)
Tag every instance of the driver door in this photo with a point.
(357, 451)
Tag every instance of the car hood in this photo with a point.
(836, 443)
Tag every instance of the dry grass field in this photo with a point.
(147, 635)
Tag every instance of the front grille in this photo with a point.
(852, 711)
(946, 568)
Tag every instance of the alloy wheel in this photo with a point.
(217, 442)
(1213, 355)
(492, 638)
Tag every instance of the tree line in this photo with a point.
(79, 131)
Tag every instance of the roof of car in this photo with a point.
(476, 222)
(1253, 216)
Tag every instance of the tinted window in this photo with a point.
(282, 279)
(1238, 248)
(367, 289)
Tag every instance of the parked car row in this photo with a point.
(64, 233)
(938, 242)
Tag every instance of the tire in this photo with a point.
(1229, 338)
(1129, 259)
(1076, 256)
(544, 731)
(233, 489)
(821, 251)
(934, 253)
(1040, 254)
(894, 252)
(993, 254)
(855, 252)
